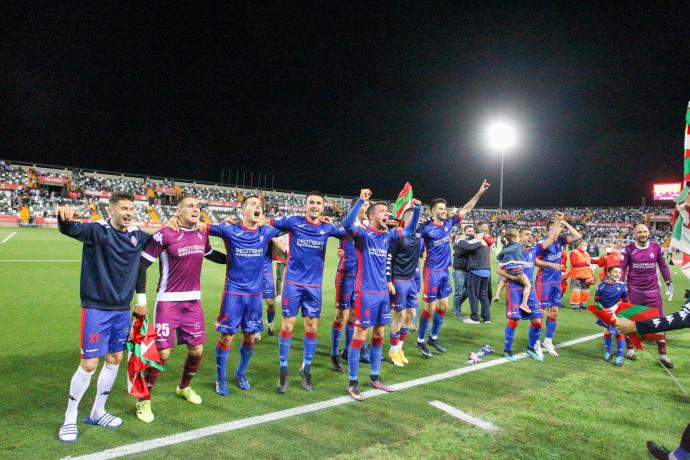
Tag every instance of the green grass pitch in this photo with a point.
(572, 407)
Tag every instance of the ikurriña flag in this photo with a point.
(142, 354)
(404, 201)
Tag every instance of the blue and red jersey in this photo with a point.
(552, 254)
(308, 241)
(247, 249)
(608, 293)
(437, 242)
(372, 250)
(348, 264)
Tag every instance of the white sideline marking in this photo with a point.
(6, 239)
(450, 410)
(142, 446)
(40, 260)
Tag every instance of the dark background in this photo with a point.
(337, 97)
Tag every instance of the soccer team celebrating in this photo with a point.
(377, 283)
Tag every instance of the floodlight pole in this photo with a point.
(500, 196)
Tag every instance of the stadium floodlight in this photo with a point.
(501, 137)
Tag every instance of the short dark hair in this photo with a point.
(479, 224)
(550, 224)
(244, 200)
(120, 196)
(373, 205)
(436, 201)
(184, 197)
(608, 270)
(464, 229)
(316, 193)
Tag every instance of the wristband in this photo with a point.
(141, 299)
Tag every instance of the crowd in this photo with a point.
(80, 189)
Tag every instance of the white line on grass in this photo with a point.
(450, 410)
(138, 447)
(40, 260)
(6, 239)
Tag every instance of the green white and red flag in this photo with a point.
(629, 311)
(143, 354)
(678, 240)
(404, 201)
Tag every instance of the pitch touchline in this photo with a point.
(138, 447)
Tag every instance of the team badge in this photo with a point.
(134, 240)
(261, 238)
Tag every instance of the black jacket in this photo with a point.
(478, 255)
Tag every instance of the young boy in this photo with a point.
(608, 294)
(512, 261)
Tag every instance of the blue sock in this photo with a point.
(271, 315)
(353, 358)
(375, 354)
(423, 325)
(309, 350)
(608, 343)
(246, 352)
(284, 341)
(222, 354)
(509, 335)
(336, 333)
(681, 454)
(349, 331)
(550, 328)
(533, 335)
(620, 346)
(437, 322)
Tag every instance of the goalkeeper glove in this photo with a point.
(669, 291)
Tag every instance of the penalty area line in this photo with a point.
(143, 446)
(465, 417)
(8, 238)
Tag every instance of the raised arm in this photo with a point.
(69, 225)
(351, 218)
(473, 201)
(574, 235)
(411, 226)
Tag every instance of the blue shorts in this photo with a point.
(239, 310)
(269, 289)
(103, 332)
(436, 285)
(549, 293)
(344, 291)
(372, 309)
(297, 297)
(514, 300)
(405, 294)
(418, 280)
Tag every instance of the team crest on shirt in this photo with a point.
(261, 238)
(199, 235)
(134, 240)
(651, 255)
(322, 232)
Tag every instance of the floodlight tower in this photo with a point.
(501, 136)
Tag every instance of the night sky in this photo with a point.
(341, 96)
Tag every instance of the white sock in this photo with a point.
(663, 357)
(77, 388)
(106, 379)
(547, 340)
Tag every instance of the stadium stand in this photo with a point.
(30, 193)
